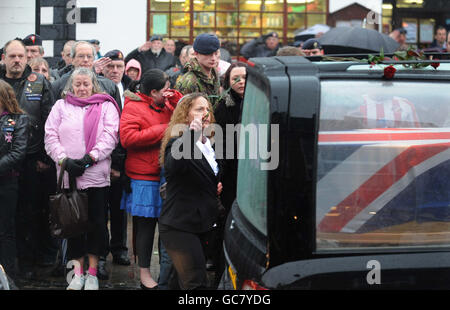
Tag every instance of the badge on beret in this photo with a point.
(32, 77)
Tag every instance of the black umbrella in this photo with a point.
(345, 40)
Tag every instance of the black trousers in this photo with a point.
(8, 201)
(95, 241)
(118, 220)
(188, 256)
(145, 234)
(32, 228)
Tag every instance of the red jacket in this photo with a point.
(142, 127)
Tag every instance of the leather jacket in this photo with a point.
(13, 142)
(35, 97)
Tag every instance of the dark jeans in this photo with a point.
(167, 274)
(95, 241)
(32, 229)
(118, 220)
(8, 201)
(145, 233)
(187, 253)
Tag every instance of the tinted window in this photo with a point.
(383, 165)
(252, 180)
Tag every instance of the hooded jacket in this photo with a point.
(142, 127)
(133, 63)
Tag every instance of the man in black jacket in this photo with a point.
(114, 70)
(264, 46)
(152, 55)
(35, 97)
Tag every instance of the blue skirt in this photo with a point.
(144, 199)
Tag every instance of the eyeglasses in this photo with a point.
(84, 56)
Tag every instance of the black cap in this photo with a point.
(206, 43)
(156, 37)
(402, 30)
(297, 43)
(32, 39)
(115, 55)
(271, 34)
(311, 44)
(94, 41)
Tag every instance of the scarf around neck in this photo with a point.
(92, 116)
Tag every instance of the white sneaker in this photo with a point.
(91, 282)
(77, 283)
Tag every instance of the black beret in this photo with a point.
(94, 41)
(206, 43)
(32, 39)
(115, 55)
(311, 44)
(156, 37)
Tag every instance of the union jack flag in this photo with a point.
(370, 179)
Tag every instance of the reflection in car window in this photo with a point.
(252, 180)
(383, 165)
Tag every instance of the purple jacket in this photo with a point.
(64, 137)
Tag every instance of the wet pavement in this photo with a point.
(120, 277)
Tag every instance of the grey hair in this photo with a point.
(75, 45)
(96, 89)
(186, 48)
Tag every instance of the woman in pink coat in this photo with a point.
(83, 128)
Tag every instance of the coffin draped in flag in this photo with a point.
(383, 180)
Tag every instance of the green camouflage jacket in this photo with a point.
(195, 80)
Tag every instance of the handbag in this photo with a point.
(68, 209)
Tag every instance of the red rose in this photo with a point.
(435, 65)
(389, 72)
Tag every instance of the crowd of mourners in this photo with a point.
(110, 123)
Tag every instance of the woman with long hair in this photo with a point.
(191, 207)
(82, 129)
(13, 147)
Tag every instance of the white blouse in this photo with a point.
(209, 154)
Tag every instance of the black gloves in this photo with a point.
(86, 161)
(73, 168)
(125, 181)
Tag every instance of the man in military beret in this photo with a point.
(117, 245)
(312, 47)
(152, 55)
(202, 75)
(35, 97)
(264, 46)
(33, 44)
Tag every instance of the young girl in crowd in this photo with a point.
(144, 119)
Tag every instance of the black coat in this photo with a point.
(35, 97)
(229, 111)
(149, 61)
(191, 202)
(13, 142)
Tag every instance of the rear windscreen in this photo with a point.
(383, 165)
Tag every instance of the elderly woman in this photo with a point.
(190, 209)
(82, 129)
(13, 146)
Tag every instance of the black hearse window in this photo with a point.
(383, 165)
(252, 178)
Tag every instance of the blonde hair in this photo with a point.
(180, 116)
